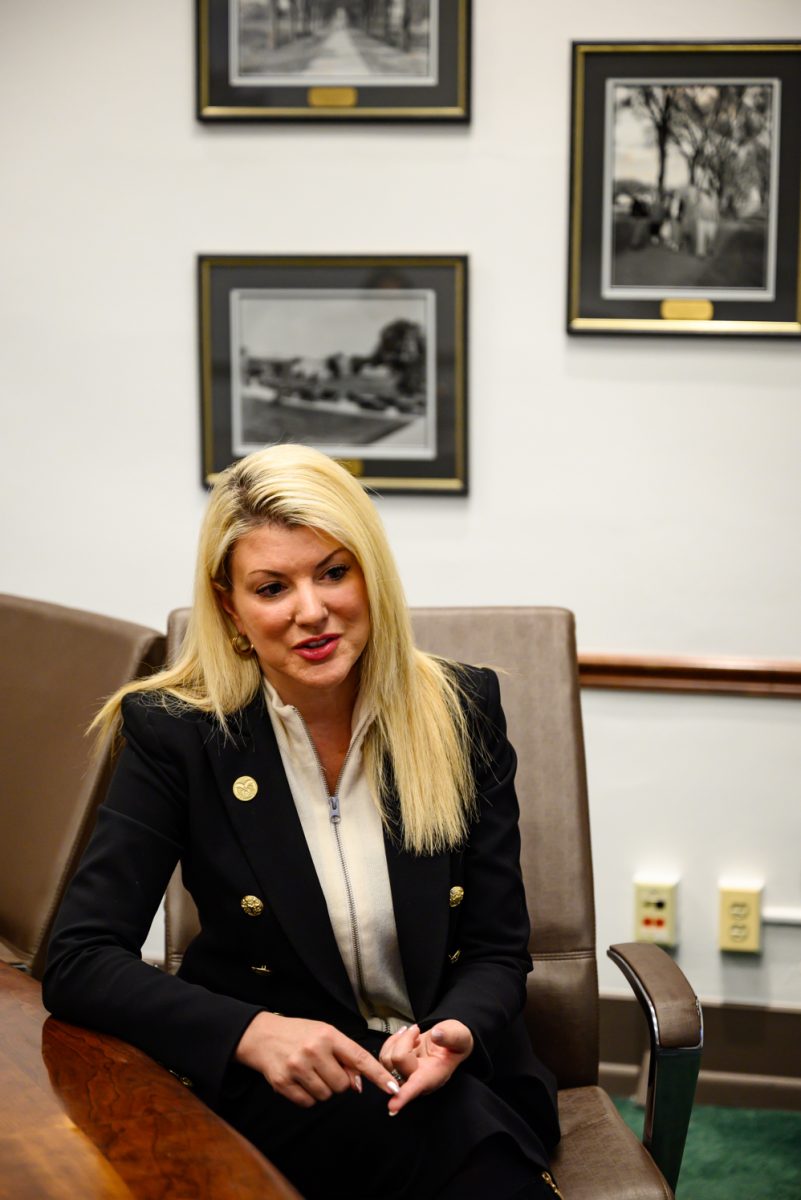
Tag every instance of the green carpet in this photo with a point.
(735, 1153)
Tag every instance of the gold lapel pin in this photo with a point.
(252, 906)
(245, 787)
(456, 896)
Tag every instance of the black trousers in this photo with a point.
(492, 1169)
(349, 1148)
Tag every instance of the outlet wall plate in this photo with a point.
(655, 904)
(740, 918)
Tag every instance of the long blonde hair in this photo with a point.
(420, 734)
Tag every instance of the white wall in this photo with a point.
(652, 486)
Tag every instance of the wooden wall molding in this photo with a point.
(730, 1089)
(751, 1059)
(679, 673)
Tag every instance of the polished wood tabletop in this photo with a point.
(83, 1115)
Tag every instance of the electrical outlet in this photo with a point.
(655, 912)
(740, 918)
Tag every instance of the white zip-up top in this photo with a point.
(346, 841)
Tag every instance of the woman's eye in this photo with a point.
(270, 589)
(338, 572)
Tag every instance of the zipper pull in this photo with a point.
(333, 804)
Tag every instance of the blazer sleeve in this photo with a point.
(95, 975)
(488, 984)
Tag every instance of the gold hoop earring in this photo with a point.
(242, 645)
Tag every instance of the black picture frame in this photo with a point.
(333, 60)
(685, 189)
(362, 356)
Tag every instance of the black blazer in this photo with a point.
(172, 797)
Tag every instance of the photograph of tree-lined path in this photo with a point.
(334, 41)
(691, 170)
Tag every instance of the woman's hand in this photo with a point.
(307, 1061)
(425, 1060)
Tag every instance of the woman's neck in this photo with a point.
(321, 708)
(328, 717)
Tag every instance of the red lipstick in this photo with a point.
(319, 648)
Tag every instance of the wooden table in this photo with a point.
(84, 1116)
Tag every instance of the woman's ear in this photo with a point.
(226, 603)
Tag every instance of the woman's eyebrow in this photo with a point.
(281, 574)
(337, 550)
(265, 571)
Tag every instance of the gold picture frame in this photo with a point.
(685, 191)
(362, 356)
(325, 60)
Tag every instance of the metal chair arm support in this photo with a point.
(675, 1025)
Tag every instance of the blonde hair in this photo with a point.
(420, 735)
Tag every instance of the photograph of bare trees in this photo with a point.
(685, 189)
(333, 42)
(347, 371)
(690, 188)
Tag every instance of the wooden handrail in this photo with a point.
(690, 673)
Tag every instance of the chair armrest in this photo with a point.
(675, 1026)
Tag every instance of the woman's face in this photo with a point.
(301, 599)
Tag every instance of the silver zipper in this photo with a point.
(335, 817)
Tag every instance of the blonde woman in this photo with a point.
(343, 809)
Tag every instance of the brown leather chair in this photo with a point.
(58, 664)
(598, 1157)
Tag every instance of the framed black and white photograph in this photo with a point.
(328, 60)
(361, 357)
(686, 189)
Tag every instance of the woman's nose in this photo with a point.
(310, 608)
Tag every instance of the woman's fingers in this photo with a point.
(297, 1095)
(400, 1052)
(357, 1059)
(439, 1052)
(355, 1081)
(431, 1074)
(452, 1036)
(335, 1064)
(309, 1061)
(327, 1078)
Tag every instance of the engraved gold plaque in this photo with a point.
(245, 787)
(332, 97)
(354, 465)
(252, 906)
(687, 310)
(456, 897)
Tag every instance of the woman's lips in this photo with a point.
(318, 649)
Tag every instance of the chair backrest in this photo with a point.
(58, 664)
(535, 652)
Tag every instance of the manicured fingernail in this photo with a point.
(357, 1083)
(403, 1028)
(393, 1114)
(393, 1086)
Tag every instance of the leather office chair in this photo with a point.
(58, 664)
(599, 1156)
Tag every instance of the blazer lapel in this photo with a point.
(420, 886)
(272, 840)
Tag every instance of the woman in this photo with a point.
(343, 809)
